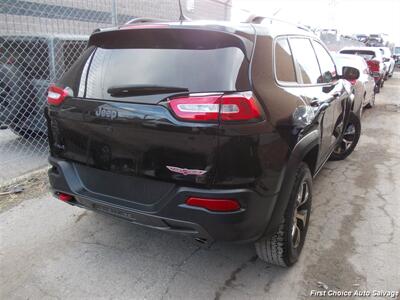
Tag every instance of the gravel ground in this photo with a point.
(51, 250)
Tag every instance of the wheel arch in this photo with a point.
(311, 158)
(306, 150)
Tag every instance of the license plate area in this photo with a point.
(133, 217)
(115, 211)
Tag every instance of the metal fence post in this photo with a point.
(52, 60)
(114, 16)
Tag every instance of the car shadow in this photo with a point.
(162, 262)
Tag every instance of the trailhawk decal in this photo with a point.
(186, 171)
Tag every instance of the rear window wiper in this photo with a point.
(141, 90)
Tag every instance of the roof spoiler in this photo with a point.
(254, 19)
(130, 22)
(144, 20)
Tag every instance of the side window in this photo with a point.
(284, 66)
(305, 60)
(326, 64)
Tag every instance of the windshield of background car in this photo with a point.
(198, 60)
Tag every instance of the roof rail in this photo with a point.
(144, 20)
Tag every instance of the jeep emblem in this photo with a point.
(107, 113)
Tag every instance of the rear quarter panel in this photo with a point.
(256, 154)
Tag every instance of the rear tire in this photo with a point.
(283, 248)
(377, 88)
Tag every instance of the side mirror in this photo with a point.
(350, 73)
(385, 59)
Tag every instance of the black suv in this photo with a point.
(212, 130)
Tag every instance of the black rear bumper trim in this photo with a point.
(171, 214)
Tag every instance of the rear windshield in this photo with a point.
(368, 55)
(197, 60)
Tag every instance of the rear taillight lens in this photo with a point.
(222, 205)
(201, 108)
(239, 108)
(233, 107)
(56, 95)
(373, 65)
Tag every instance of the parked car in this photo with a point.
(28, 64)
(396, 55)
(195, 128)
(388, 61)
(374, 59)
(361, 37)
(364, 86)
(373, 42)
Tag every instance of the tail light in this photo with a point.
(222, 205)
(56, 95)
(373, 65)
(211, 108)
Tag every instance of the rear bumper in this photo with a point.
(169, 212)
(378, 77)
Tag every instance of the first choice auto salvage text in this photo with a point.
(354, 293)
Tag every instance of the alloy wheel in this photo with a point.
(347, 139)
(300, 214)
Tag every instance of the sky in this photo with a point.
(348, 16)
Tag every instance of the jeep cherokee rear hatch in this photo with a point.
(146, 104)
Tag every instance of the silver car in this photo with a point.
(388, 61)
(364, 86)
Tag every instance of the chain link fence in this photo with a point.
(39, 41)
